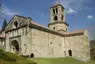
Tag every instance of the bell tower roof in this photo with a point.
(57, 3)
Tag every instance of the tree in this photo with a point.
(92, 50)
(91, 30)
(4, 25)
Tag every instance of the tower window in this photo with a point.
(55, 18)
(62, 9)
(56, 10)
(53, 11)
(61, 17)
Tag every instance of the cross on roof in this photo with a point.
(57, 1)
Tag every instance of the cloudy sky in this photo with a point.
(79, 13)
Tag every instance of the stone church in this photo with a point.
(25, 37)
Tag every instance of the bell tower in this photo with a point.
(57, 18)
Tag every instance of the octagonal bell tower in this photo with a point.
(57, 18)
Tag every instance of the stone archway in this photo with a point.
(70, 52)
(32, 55)
(15, 47)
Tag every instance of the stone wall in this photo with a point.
(79, 45)
(59, 26)
(17, 35)
(46, 44)
(2, 43)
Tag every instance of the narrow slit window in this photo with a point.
(56, 10)
(53, 11)
(62, 17)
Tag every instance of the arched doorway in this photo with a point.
(70, 52)
(15, 47)
(32, 55)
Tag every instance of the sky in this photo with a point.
(79, 13)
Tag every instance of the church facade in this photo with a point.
(25, 37)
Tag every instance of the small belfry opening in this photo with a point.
(70, 52)
(53, 11)
(55, 18)
(56, 10)
(15, 47)
(62, 17)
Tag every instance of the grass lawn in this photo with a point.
(91, 62)
(9, 58)
(57, 61)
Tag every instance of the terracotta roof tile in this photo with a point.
(39, 25)
(2, 36)
(66, 33)
(75, 32)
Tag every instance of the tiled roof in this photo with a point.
(2, 36)
(40, 25)
(53, 31)
(57, 4)
(75, 32)
(65, 33)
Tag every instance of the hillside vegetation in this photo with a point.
(9, 58)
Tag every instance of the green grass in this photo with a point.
(9, 58)
(91, 62)
(60, 61)
(56, 61)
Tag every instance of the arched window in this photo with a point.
(55, 18)
(56, 10)
(53, 11)
(62, 9)
(61, 17)
(16, 24)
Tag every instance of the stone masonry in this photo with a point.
(25, 37)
